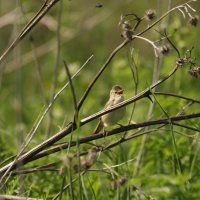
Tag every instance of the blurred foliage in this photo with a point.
(34, 72)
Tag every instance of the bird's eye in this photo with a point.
(119, 92)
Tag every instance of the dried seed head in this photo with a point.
(76, 168)
(66, 160)
(150, 14)
(85, 165)
(62, 171)
(195, 71)
(180, 61)
(193, 21)
(87, 162)
(82, 167)
(134, 188)
(114, 184)
(123, 180)
(91, 157)
(125, 26)
(164, 50)
(128, 34)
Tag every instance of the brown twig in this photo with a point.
(72, 91)
(177, 96)
(56, 69)
(186, 127)
(47, 167)
(40, 14)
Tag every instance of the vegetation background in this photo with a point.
(146, 167)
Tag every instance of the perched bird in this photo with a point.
(111, 118)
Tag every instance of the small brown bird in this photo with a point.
(111, 118)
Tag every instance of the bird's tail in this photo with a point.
(99, 127)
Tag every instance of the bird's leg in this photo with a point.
(104, 132)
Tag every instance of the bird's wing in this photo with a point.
(109, 103)
(100, 125)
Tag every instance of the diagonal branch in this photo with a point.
(72, 91)
(40, 14)
(177, 96)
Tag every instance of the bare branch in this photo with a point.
(43, 10)
(177, 96)
(72, 91)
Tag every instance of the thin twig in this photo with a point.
(56, 68)
(150, 42)
(43, 10)
(134, 72)
(47, 167)
(72, 91)
(172, 44)
(186, 127)
(177, 96)
(131, 136)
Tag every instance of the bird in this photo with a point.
(111, 118)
